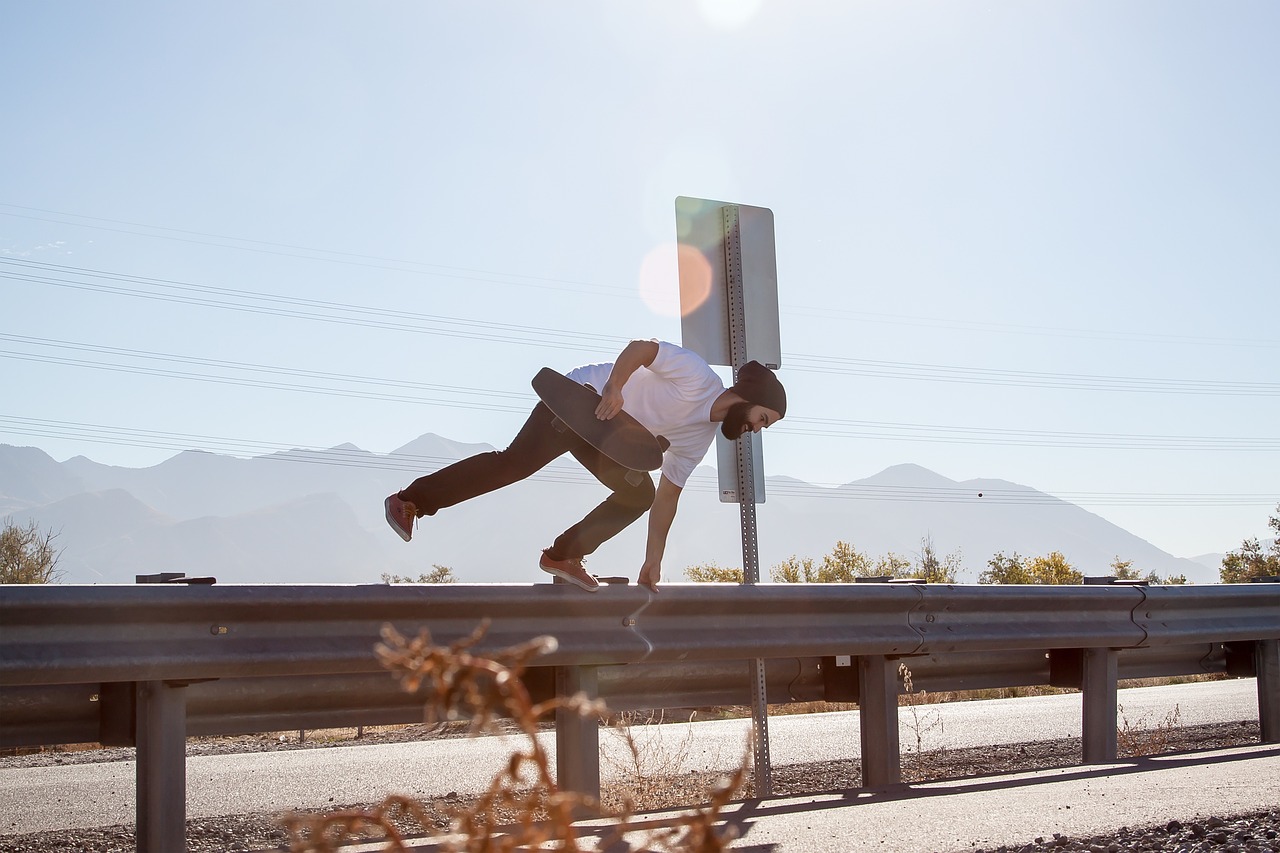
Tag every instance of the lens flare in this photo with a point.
(655, 280)
(695, 279)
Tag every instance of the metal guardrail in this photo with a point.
(85, 634)
(39, 715)
(117, 660)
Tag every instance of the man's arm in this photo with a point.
(661, 514)
(634, 356)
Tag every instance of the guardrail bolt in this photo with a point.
(217, 630)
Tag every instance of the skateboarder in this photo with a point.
(668, 389)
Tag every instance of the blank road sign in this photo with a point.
(704, 281)
(727, 468)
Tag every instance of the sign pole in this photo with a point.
(746, 490)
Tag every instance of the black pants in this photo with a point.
(536, 445)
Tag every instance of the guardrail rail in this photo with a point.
(149, 665)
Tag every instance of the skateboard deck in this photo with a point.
(622, 438)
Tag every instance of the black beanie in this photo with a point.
(757, 384)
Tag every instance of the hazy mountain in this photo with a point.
(1209, 561)
(1213, 562)
(110, 536)
(29, 476)
(306, 516)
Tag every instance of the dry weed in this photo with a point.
(1137, 739)
(642, 768)
(921, 723)
(484, 689)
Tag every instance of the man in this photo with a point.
(668, 389)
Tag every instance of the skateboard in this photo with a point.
(622, 438)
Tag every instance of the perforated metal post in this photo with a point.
(746, 491)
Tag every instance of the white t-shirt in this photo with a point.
(672, 398)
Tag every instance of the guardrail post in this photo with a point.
(1098, 683)
(1266, 663)
(161, 806)
(878, 717)
(577, 736)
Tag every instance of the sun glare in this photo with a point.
(695, 278)
(729, 14)
(656, 287)
(660, 293)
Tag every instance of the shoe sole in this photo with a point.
(406, 535)
(573, 579)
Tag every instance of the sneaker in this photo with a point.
(400, 515)
(570, 570)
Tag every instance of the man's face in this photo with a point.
(747, 417)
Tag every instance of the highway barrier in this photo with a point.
(150, 665)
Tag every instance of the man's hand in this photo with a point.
(650, 574)
(610, 402)
(634, 356)
(661, 514)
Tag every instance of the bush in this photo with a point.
(27, 554)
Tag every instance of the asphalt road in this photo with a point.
(93, 795)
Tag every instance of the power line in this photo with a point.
(834, 428)
(357, 315)
(985, 494)
(181, 442)
(1027, 379)
(986, 327)
(364, 387)
(252, 302)
(417, 463)
(524, 280)
(328, 255)
(333, 384)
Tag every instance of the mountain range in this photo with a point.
(305, 516)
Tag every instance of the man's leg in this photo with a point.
(537, 443)
(627, 503)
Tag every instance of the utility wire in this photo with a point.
(985, 327)
(329, 255)
(340, 457)
(980, 493)
(1027, 379)
(357, 315)
(335, 384)
(305, 309)
(524, 280)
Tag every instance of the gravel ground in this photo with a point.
(255, 832)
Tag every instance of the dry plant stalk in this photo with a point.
(646, 767)
(920, 726)
(1135, 739)
(460, 683)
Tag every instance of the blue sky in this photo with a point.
(1028, 241)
